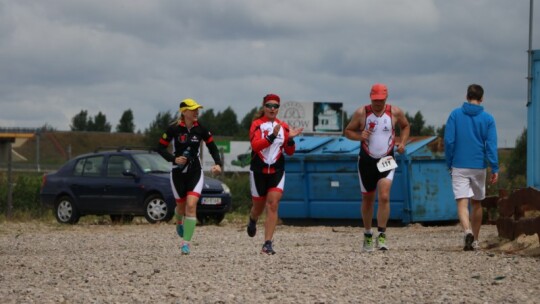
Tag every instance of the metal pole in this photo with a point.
(533, 162)
(38, 137)
(529, 65)
(9, 208)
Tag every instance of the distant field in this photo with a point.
(54, 148)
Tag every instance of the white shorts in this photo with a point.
(469, 183)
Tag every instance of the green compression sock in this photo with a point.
(189, 227)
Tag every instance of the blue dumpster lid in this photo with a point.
(415, 146)
(306, 144)
(342, 145)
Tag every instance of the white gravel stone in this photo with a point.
(141, 263)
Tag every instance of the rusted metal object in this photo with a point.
(490, 203)
(512, 209)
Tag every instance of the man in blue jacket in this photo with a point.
(470, 143)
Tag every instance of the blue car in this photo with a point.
(124, 183)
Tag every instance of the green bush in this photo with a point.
(27, 186)
(240, 191)
(25, 193)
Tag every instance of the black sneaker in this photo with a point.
(267, 248)
(469, 239)
(251, 227)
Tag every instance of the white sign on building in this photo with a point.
(314, 117)
(236, 157)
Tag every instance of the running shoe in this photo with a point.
(368, 242)
(469, 239)
(476, 245)
(185, 248)
(251, 227)
(381, 241)
(267, 248)
(180, 230)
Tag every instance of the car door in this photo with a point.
(86, 183)
(121, 193)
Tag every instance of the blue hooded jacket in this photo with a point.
(470, 139)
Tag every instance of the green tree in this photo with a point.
(428, 131)
(226, 123)
(90, 124)
(209, 121)
(79, 122)
(99, 124)
(248, 119)
(418, 125)
(518, 158)
(440, 131)
(245, 125)
(157, 127)
(126, 124)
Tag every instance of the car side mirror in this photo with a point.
(129, 173)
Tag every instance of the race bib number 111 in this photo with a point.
(386, 164)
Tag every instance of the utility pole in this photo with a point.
(533, 112)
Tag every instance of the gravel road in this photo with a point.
(141, 263)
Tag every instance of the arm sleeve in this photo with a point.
(449, 140)
(212, 147)
(164, 144)
(491, 147)
(258, 142)
(289, 145)
(214, 151)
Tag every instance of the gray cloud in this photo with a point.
(60, 56)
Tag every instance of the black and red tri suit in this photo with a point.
(189, 179)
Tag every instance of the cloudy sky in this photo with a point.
(58, 57)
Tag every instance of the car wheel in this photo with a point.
(156, 209)
(121, 219)
(65, 211)
(202, 218)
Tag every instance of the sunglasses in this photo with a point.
(272, 105)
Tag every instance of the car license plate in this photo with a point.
(211, 201)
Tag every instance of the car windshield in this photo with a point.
(152, 163)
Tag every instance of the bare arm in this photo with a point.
(355, 128)
(405, 127)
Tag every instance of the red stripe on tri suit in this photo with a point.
(194, 194)
(258, 198)
(275, 189)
